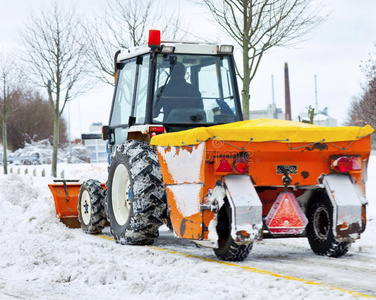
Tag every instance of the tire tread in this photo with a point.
(97, 198)
(147, 190)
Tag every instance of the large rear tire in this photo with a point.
(320, 228)
(134, 194)
(90, 207)
(227, 249)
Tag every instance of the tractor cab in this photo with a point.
(172, 86)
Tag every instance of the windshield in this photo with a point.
(194, 89)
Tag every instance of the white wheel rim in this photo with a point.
(86, 207)
(120, 200)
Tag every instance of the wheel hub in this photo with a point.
(121, 201)
(86, 207)
(321, 223)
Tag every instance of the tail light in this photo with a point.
(342, 164)
(154, 130)
(345, 164)
(241, 165)
(356, 164)
(231, 165)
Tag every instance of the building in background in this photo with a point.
(321, 118)
(272, 112)
(93, 141)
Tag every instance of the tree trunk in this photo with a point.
(246, 59)
(55, 145)
(245, 99)
(4, 129)
(5, 145)
(246, 82)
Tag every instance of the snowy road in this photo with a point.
(42, 259)
(294, 261)
(354, 272)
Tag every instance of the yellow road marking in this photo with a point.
(255, 270)
(106, 237)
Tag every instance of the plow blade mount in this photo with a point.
(65, 193)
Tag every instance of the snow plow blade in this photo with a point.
(65, 193)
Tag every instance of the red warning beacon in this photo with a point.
(154, 38)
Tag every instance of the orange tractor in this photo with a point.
(181, 155)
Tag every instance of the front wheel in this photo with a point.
(91, 207)
(320, 228)
(134, 194)
(227, 248)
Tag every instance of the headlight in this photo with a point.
(226, 49)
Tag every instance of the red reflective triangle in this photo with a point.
(224, 166)
(285, 216)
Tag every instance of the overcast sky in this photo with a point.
(333, 54)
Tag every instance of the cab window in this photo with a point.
(193, 89)
(122, 104)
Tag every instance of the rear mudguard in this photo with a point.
(246, 208)
(348, 204)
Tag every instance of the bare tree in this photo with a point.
(125, 24)
(362, 110)
(363, 107)
(54, 50)
(258, 25)
(25, 127)
(8, 90)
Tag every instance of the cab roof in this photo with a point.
(179, 48)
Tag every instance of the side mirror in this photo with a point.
(131, 121)
(105, 133)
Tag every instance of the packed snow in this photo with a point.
(40, 258)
